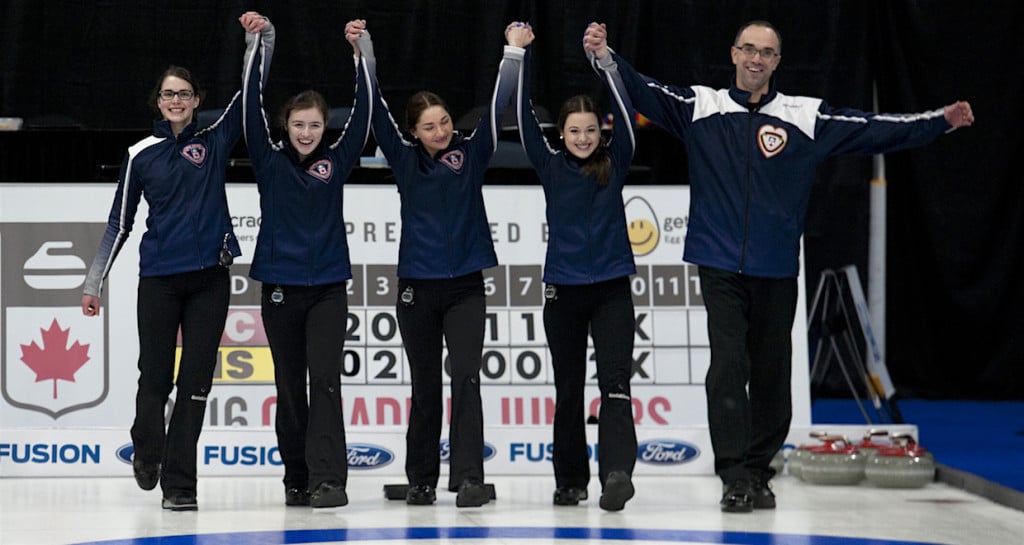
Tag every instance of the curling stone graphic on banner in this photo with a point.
(835, 462)
(903, 465)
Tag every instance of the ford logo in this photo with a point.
(363, 456)
(666, 452)
(446, 451)
(125, 453)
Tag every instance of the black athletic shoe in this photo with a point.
(147, 475)
(421, 494)
(618, 489)
(328, 494)
(762, 495)
(296, 496)
(181, 502)
(568, 495)
(472, 494)
(738, 497)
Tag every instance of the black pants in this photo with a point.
(197, 302)
(453, 309)
(307, 335)
(750, 321)
(606, 309)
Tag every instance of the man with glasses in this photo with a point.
(752, 155)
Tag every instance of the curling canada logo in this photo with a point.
(54, 358)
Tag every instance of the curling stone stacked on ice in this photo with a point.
(794, 461)
(872, 441)
(835, 462)
(902, 465)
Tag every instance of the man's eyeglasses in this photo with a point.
(183, 94)
(749, 50)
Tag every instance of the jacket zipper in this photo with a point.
(746, 195)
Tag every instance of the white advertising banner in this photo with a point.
(75, 377)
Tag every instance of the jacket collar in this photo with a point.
(742, 97)
(162, 128)
(318, 153)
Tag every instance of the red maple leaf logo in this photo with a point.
(55, 361)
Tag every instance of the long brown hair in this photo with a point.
(599, 163)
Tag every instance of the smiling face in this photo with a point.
(581, 133)
(434, 129)
(305, 130)
(643, 236)
(177, 110)
(756, 55)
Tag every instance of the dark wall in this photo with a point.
(955, 207)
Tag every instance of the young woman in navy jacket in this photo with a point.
(183, 277)
(302, 259)
(586, 274)
(445, 245)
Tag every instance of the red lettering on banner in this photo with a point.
(269, 405)
(244, 327)
(655, 407)
(513, 411)
(359, 415)
(386, 411)
(384, 404)
(385, 407)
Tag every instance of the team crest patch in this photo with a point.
(771, 140)
(453, 160)
(195, 152)
(321, 169)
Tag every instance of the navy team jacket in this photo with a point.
(751, 168)
(587, 237)
(182, 180)
(302, 239)
(445, 232)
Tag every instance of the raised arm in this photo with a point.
(623, 142)
(531, 134)
(850, 131)
(484, 139)
(667, 106)
(356, 131)
(259, 50)
(385, 130)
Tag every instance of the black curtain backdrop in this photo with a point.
(954, 295)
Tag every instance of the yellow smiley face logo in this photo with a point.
(642, 226)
